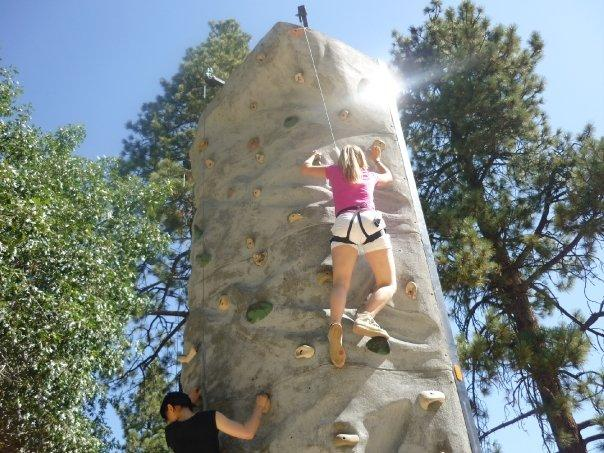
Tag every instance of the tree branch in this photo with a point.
(510, 422)
(545, 267)
(182, 314)
(592, 438)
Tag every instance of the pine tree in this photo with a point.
(515, 212)
(157, 150)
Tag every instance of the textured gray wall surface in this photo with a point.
(260, 282)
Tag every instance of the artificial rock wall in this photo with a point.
(260, 282)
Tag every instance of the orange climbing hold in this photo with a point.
(203, 144)
(257, 192)
(209, 163)
(294, 217)
(411, 290)
(253, 143)
(296, 32)
(224, 303)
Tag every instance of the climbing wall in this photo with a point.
(259, 289)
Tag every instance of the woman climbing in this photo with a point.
(358, 226)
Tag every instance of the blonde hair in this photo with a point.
(352, 161)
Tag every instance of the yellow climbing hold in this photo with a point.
(209, 163)
(304, 352)
(257, 192)
(249, 243)
(299, 77)
(324, 277)
(259, 258)
(344, 114)
(411, 290)
(294, 217)
(260, 57)
(260, 158)
(431, 399)
(224, 303)
(346, 440)
(457, 372)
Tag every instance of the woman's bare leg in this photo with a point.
(344, 257)
(382, 265)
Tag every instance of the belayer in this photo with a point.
(197, 432)
(358, 226)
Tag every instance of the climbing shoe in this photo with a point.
(336, 350)
(366, 326)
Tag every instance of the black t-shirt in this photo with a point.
(198, 434)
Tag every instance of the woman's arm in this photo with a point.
(309, 169)
(248, 429)
(384, 174)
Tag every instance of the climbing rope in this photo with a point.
(312, 59)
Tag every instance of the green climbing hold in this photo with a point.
(197, 232)
(203, 259)
(290, 121)
(258, 311)
(379, 345)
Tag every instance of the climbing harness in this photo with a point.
(377, 222)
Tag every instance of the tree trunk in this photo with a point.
(261, 272)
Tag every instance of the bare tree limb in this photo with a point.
(510, 422)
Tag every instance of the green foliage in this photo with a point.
(72, 233)
(157, 150)
(514, 210)
(144, 428)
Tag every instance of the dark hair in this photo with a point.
(175, 399)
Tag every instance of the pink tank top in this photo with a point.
(347, 195)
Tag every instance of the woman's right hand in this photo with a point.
(263, 402)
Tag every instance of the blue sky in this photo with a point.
(96, 62)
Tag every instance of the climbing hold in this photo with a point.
(324, 277)
(256, 192)
(290, 121)
(203, 144)
(379, 345)
(187, 358)
(230, 192)
(249, 243)
(259, 258)
(224, 303)
(296, 32)
(377, 143)
(431, 398)
(304, 352)
(258, 311)
(253, 144)
(294, 217)
(260, 158)
(345, 440)
(260, 57)
(344, 114)
(253, 105)
(363, 86)
(411, 290)
(197, 232)
(299, 77)
(457, 372)
(203, 259)
(209, 163)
